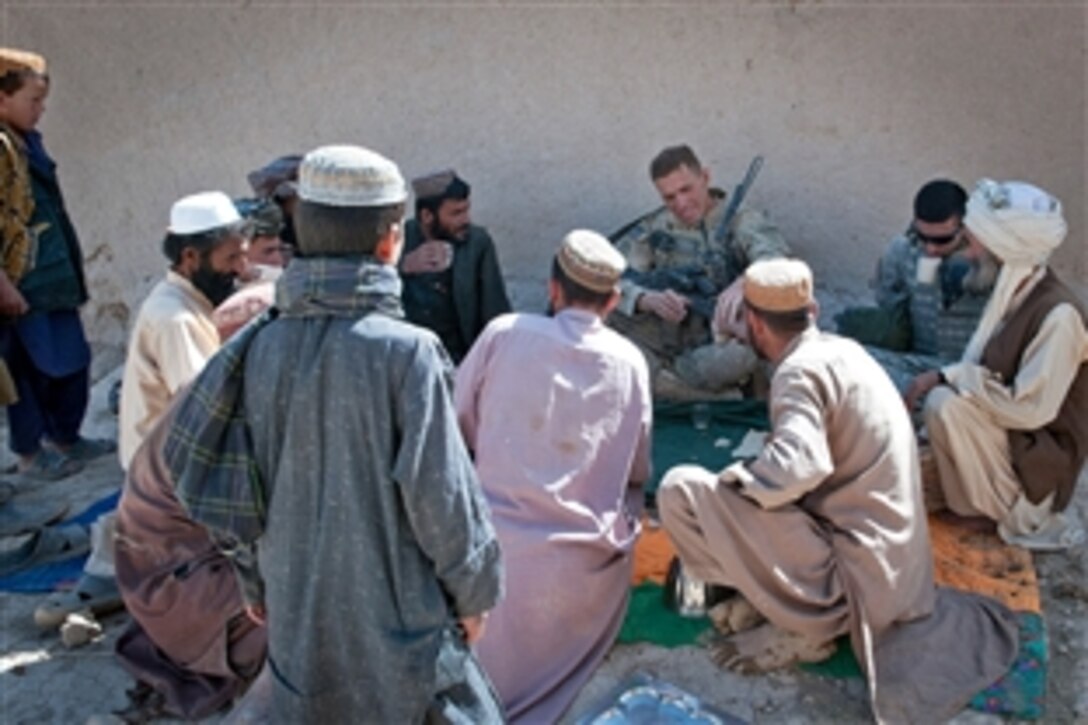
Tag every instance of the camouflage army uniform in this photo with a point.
(688, 349)
(943, 314)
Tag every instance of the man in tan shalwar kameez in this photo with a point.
(824, 533)
(1009, 423)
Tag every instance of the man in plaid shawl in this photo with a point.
(340, 485)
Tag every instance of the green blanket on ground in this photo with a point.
(677, 440)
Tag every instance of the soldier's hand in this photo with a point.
(433, 256)
(668, 305)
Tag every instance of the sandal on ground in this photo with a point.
(45, 546)
(18, 517)
(99, 594)
(87, 449)
(49, 465)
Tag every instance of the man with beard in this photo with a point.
(929, 295)
(174, 335)
(171, 341)
(190, 645)
(1009, 423)
(452, 280)
(824, 532)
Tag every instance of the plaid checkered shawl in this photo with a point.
(209, 450)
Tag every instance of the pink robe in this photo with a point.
(558, 413)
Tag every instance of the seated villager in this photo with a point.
(1009, 423)
(682, 269)
(929, 296)
(824, 532)
(562, 462)
(192, 648)
(452, 280)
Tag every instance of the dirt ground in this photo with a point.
(42, 682)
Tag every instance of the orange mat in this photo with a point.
(963, 558)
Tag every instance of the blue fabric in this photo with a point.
(37, 156)
(53, 576)
(55, 341)
(52, 397)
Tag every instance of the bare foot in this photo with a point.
(735, 614)
(768, 648)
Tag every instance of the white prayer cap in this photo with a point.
(778, 285)
(350, 176)
(202, 212)
(590, 260)
(1020, 223)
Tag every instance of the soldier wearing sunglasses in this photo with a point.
(929, 296)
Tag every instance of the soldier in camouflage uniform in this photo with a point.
(937, 304)
(686, 360)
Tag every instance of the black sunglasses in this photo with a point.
(937, 241)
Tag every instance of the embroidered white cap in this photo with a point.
(202, 212)
(350, 176)
(590, 260)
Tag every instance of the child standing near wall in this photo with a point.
(41, 287)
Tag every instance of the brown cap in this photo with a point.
(19, 61)
(278, 178)
(425, 187)
(778, 285)
(590, 260)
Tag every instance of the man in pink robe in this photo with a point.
(557, 411)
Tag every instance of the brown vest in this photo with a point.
(1048, 459)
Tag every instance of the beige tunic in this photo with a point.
(825, 531)
(832, 501)
(172, 339)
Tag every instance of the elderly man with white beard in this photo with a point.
(1009, 423)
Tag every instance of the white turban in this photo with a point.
(1021, 225)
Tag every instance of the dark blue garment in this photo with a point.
(49, 360)
(55, 279)
(54, 341)
(46, 349)
(37, 156)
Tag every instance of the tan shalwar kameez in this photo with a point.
(825, 532)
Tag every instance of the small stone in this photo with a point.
(79, 628)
